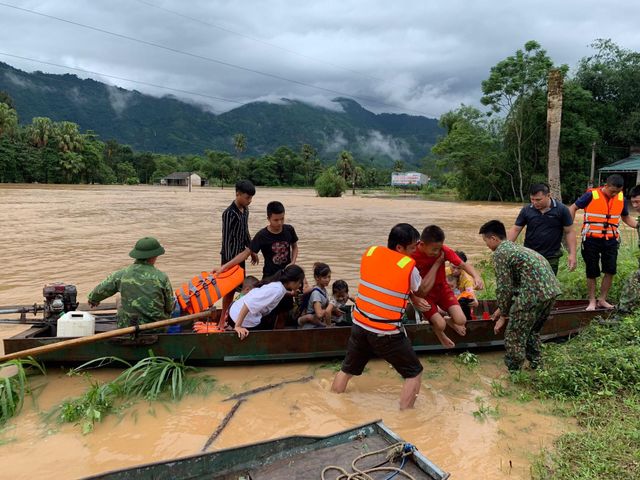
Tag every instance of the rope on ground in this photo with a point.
(394, 452)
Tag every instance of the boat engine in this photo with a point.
(59, 298)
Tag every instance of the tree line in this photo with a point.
(496, 155)
(46, 151)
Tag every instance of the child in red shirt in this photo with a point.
(430, 255)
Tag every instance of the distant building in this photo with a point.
(628, 167)
(181, 179)
(408, 179)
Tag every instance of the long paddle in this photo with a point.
(101, 336)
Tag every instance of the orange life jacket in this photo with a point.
(204, 290)
(602, 216)
(385, 284)
(206, 327)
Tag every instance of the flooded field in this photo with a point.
(79, 234)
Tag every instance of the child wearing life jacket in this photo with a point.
(318, 308)
(462, 285)
(248, 311)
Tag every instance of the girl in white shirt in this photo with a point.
(246, 313)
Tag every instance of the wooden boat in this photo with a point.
(567, 318)
(291, 457)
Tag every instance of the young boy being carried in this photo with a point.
(430, 255)
(278, 243)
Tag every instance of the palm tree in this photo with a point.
(345, 165)
(68, 136)
(71, 164)
(8, 120)
(40, 131)
(239, 143)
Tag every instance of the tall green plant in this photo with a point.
(15, 387)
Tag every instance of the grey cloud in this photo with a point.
(377, 143)
(119, 99)
(419, 56)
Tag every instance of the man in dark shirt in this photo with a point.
(546, 220)
(278, 242)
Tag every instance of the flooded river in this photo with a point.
(79, 234)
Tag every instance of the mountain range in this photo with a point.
(170, 125)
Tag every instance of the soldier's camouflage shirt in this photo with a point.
(522, 275)
(145, 293)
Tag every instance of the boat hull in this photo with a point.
(289, 457)
(224, 348)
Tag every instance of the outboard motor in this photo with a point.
(59, 298)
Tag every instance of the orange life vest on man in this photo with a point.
(602, 215)
(385, 284)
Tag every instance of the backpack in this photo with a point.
(304, 300)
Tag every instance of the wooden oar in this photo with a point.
(32, 352)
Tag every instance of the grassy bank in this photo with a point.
(594, 377)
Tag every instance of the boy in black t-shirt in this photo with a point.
(278, 243)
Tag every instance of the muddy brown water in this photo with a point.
(78, 234)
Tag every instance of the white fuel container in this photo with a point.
(76, 324)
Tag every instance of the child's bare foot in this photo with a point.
(591, 306)
(459, 329)
(604, 304)
(444, 340)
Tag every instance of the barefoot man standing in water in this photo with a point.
(388, 278)
(526, 290)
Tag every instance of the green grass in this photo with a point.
(594, 377)
(152, 378)
(14, 388)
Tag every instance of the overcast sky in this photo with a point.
(415, 56)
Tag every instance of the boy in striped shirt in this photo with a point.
(235, 238)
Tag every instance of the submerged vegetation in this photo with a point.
(152, 378)
(14, 387)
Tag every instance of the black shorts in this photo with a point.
(396, 349)
(596, 251)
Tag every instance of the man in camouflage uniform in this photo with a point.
(145, 291)
(526, 289)
(630, 295)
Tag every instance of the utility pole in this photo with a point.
(190, 182)
(593, 164)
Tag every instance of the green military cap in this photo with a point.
(146, 247)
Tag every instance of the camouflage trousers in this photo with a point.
(630, 295)
(522, 335)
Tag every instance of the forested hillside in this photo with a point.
(168, 125)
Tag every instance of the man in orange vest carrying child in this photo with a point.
(604, 207)
(388, 279)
